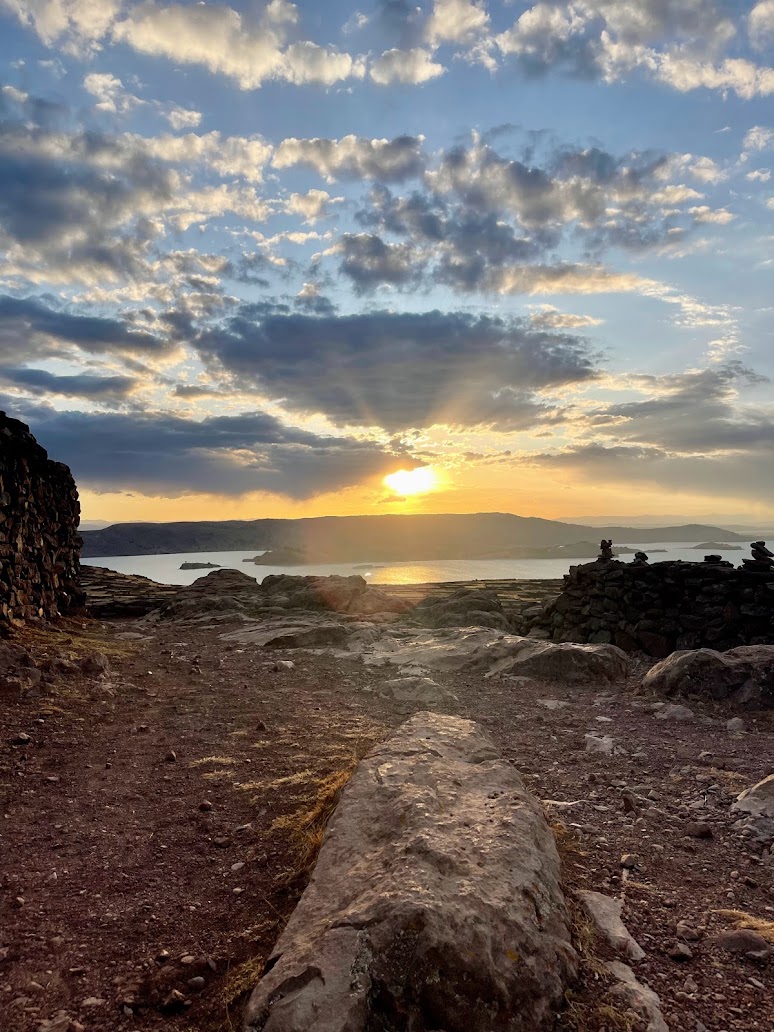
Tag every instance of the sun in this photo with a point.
(412, 481)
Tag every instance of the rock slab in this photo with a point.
(744, 675)
(435, 902)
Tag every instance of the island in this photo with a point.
(200, 566)
(716, 546)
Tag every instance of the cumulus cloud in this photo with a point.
(398, 370)
(412, 67)
(110, 93)
(455, 21)
(484, 222)
(355, 157)
(761, 23)
(157, 452)
(249, 50)
(681, 44)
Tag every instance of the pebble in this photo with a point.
(698, 829)
(687, 931)
(94, 1001)
(205, 806)
(196, 983)
(630, 861)
(187, 959)
(171, 756)
(735, 724)
(21, 739)
(680, 951)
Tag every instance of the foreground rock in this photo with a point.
(231, 595)
(462, 608)
(495, 653)
(743, 675)
(756, 809)
(435, 899)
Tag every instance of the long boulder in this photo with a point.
(435, 902)
(744, 675)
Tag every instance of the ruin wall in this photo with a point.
(39, 542)
(662, 607)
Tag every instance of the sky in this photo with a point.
(256, 257)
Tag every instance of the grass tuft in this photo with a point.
(740, 919)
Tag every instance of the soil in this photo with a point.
(151, 829)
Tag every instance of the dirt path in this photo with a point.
(149, 833)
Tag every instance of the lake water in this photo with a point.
(166, 568)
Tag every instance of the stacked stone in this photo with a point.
(662, 607)
(39, 542)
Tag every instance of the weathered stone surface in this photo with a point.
(571, 663)
(39, 542)
(415, 688)
(491, 651)
(744, 675)
(662, 607)
(755, 807)
(637, 997)
(605, 912)
(435, 902)
(288, 634)
(462, 608)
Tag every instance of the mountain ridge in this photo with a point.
(390, 537)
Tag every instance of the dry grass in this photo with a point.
(740, 919)
(306, 827)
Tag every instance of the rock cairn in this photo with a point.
(661, 607)
(39, 542)
(605, 551)
(762, 558)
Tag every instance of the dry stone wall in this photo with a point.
(663, 607)
(39, 542)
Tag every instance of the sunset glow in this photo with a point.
(408, 482)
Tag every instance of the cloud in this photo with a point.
(312, 205)
(397, 370)
(680, 44)
(160, 453)
(455, 21)
(183, 118)
(30, 327)
(110, 93)
(370, 262)
(761, 23)
(103, 389)
(546, 317)
(354, 157)
(696, 412)
(411, 67)
(228, 43)
(759, 138)
(76, 25)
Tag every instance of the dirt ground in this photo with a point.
(149, 829)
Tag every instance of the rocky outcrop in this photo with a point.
(229, 594)
(39, 542)
(744, 675)
(435, 902)
(493, 653)
(663, 607)
(463, 608)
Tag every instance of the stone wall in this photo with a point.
(39, 542)
(663, 607)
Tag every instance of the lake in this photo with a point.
(166, 568)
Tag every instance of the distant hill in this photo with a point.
(389, 538)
